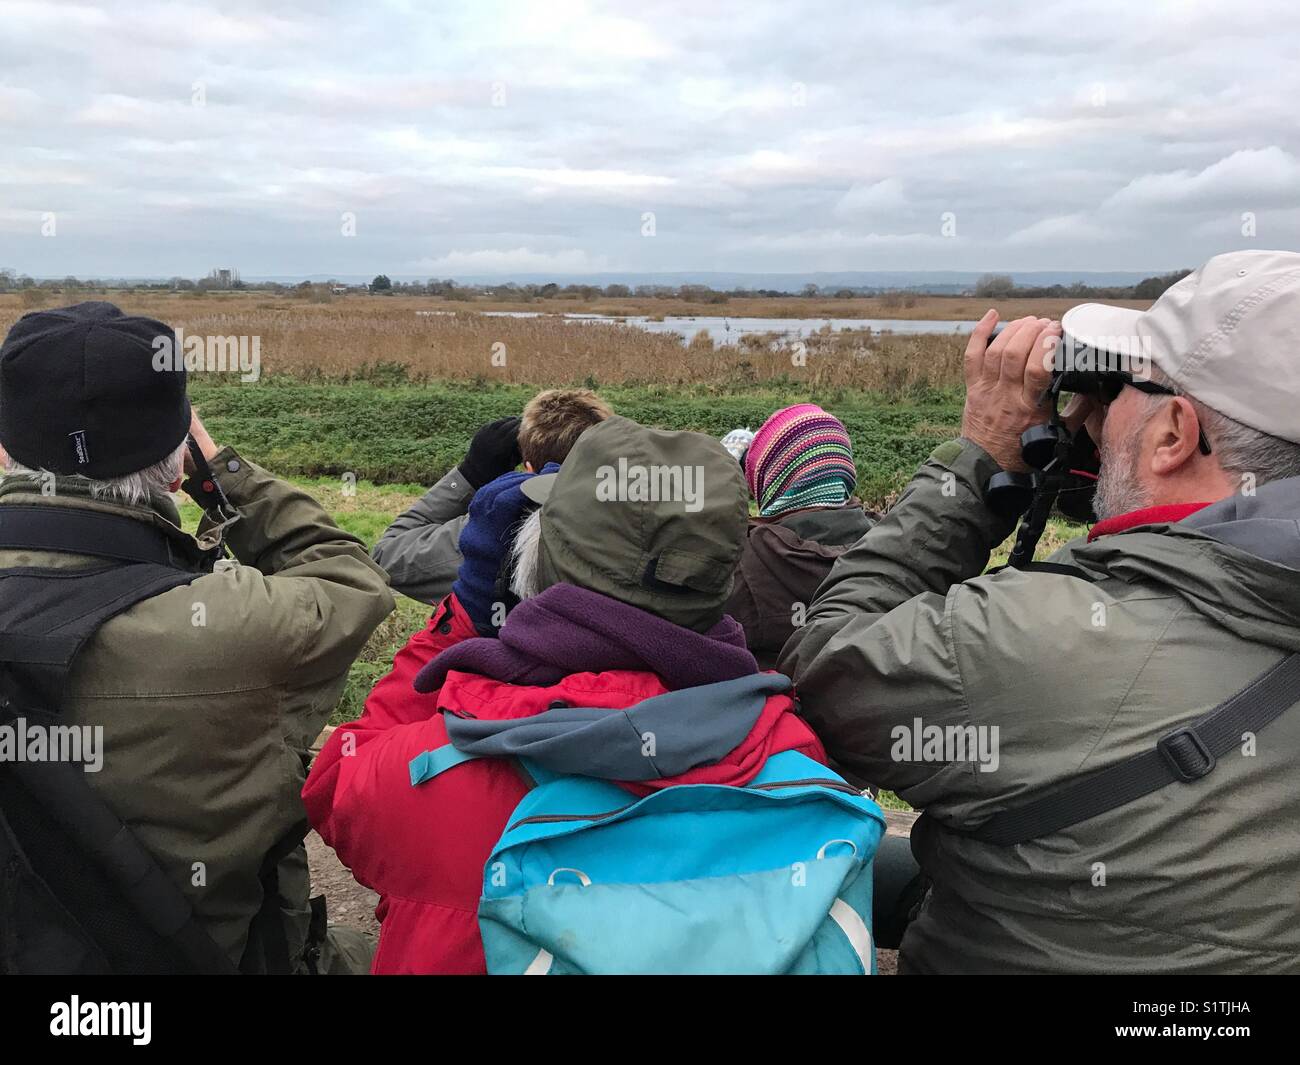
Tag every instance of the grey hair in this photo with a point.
(133, 489)
(1239, 448)
(524, 554)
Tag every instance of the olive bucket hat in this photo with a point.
(649, 517)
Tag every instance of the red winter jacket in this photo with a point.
(423, 849)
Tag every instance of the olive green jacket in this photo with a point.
(210, 694)
(1075, 675)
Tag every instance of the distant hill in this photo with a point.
(937, 282)
(933, 281)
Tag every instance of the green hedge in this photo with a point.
(415, 433)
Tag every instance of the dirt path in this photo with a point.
(351, 904)
(347, 902)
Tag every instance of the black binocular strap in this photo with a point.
(87, 532)
(202, 487)
(1184, 755)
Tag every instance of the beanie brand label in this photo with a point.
(79, 447)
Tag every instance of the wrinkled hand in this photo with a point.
(494, 450)
(203, 439)
(1006, 382)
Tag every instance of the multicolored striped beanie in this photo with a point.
(801, 457)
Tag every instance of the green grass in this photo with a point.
(407, 433)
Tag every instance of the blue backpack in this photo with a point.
(773, 877)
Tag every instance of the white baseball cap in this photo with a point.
(1228, 335)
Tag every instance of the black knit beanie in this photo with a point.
(87, 389)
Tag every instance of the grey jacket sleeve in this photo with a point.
(939, 533)
(421, 549)
(876, 649)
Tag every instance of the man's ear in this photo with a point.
(528, 468)
(1177, 436)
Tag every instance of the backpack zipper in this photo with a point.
(834, 785)
(558, 818)
(549, 818)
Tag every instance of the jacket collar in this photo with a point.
(472, 695)
(567, 629)
(691, 727)
(1167, 514)
(839, 526)
(161, 512)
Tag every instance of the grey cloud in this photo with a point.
(764, 136)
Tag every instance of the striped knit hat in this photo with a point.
(801, 457)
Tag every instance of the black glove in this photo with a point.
(494, 450)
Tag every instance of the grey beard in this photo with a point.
(1118, 488)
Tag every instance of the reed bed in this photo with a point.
(389, 339)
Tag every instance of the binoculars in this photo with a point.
(1061, 461)
(1063, 464)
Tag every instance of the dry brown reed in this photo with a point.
(380, 337)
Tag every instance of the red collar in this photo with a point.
(1162, 515)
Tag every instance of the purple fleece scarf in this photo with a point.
(568, 630)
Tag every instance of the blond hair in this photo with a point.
(553, 420)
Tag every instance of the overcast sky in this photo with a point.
(477, 137)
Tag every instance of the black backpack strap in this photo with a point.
(100, 534)
(64, 796)
(1062, 568)
(1184, 755)
(46, 617)
(79, 889)
(267, 952)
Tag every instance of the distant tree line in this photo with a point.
(989, 286)
(1002, 286)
